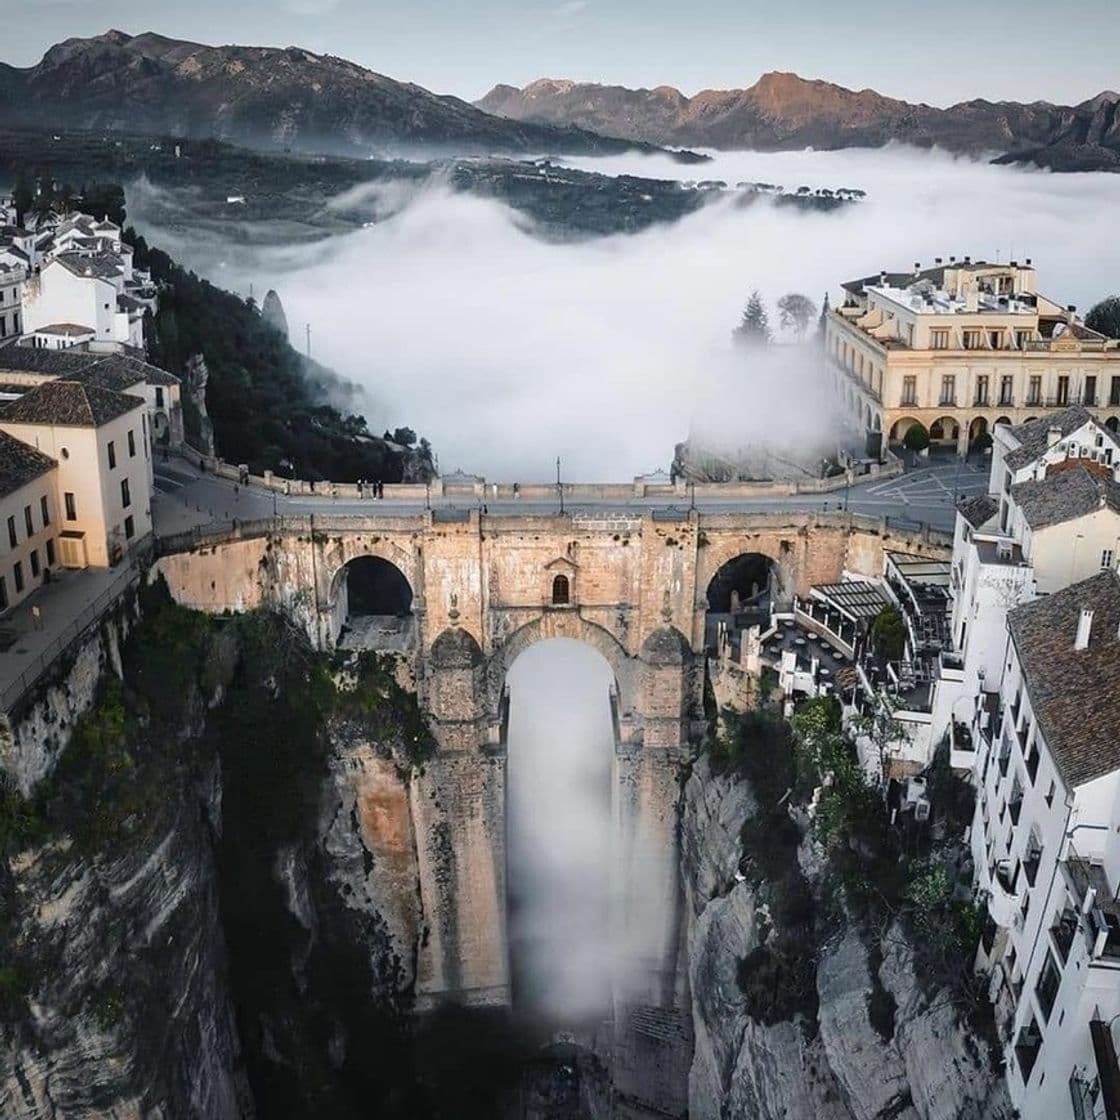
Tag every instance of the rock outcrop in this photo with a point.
(836, 1065)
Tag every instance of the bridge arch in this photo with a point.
(371, 594)
(742, 590)
(562, 624)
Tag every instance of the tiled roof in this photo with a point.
(65, 328)
(1033, 437)
(112, 371)
(978, 510)
(1074, 693)
(1063, 495)
(69, 404)
(20, 463)
(102, 266)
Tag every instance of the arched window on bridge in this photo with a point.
(561, 591)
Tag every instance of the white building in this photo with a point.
(1046, 844)
(11, 301)
(86, 291)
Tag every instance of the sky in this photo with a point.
(1033, 51)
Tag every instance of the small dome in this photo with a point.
(665, 646)
(456, 649)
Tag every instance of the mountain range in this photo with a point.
(784, 111)
(259, 96)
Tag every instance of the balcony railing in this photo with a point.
(1063, 931)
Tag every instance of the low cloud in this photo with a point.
(507, 350)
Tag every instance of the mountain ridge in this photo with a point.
(279, 97)
(783, 111)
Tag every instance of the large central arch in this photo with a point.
(371, 603)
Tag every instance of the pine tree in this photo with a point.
(754, 326)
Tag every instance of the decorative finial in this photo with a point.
(453, 613)
(666, 607)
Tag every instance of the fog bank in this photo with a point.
(507, 350)
(561, 744)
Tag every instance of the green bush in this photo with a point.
(888, 634)
(916, 438)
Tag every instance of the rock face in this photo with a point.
(266, 96)
(272, 310)
(784, 111)
(838, 1067)
(200, 433)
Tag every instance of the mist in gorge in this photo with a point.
(561, 745)
(507, 349)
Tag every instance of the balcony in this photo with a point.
(1003, 898)
(1015, 808)
(1026, 1049)
(1096, 900)
(1063, 931)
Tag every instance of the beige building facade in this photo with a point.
(960, 348)
(104, 470)
(28, 519)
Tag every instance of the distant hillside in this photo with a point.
(261, 96)
(784, 112)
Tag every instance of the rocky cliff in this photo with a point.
(860, 1039)
(264, 96)
(785, 112)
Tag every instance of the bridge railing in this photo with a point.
(476, 488)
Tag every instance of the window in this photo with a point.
(1090, 391)
(34, 563)
(17, 571)
(131, 444)
(561, 591)
(112, 455)
(1005, 389)
(45, 510)
(1114, 391)
(949, 389)
(129, 528)
(1050, 796)
(126, 496)
(50, 553)
(972, 340)
(13, 540)
(1046, 989)
(3, 594)
(1034, 390)
(981, 391)
(995, 340)
(1063, 390)
(159, 397)
(939, 339)
(71, 507)
(909, 390)
(1106, 558)
(28, 521)
(1021, 339)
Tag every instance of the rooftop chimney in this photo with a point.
(968, 260)
(937, 260)
(952, 260)
(1084, 626)
(1028, 262)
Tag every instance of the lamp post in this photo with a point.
(559, 486)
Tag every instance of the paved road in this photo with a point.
(184, 499)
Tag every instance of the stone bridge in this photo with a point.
(484, 588)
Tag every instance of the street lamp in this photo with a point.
(559, 486)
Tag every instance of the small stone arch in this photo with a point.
(944, 430)
(900, 427)
(1112, 423)
(561, 590)
(1003, 420)
(876, 423)
(977, 430)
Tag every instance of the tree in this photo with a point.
(916, 438)
(888, 633)
(754, 326)
(1105, 317)
(406, 437)
(796, 312)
